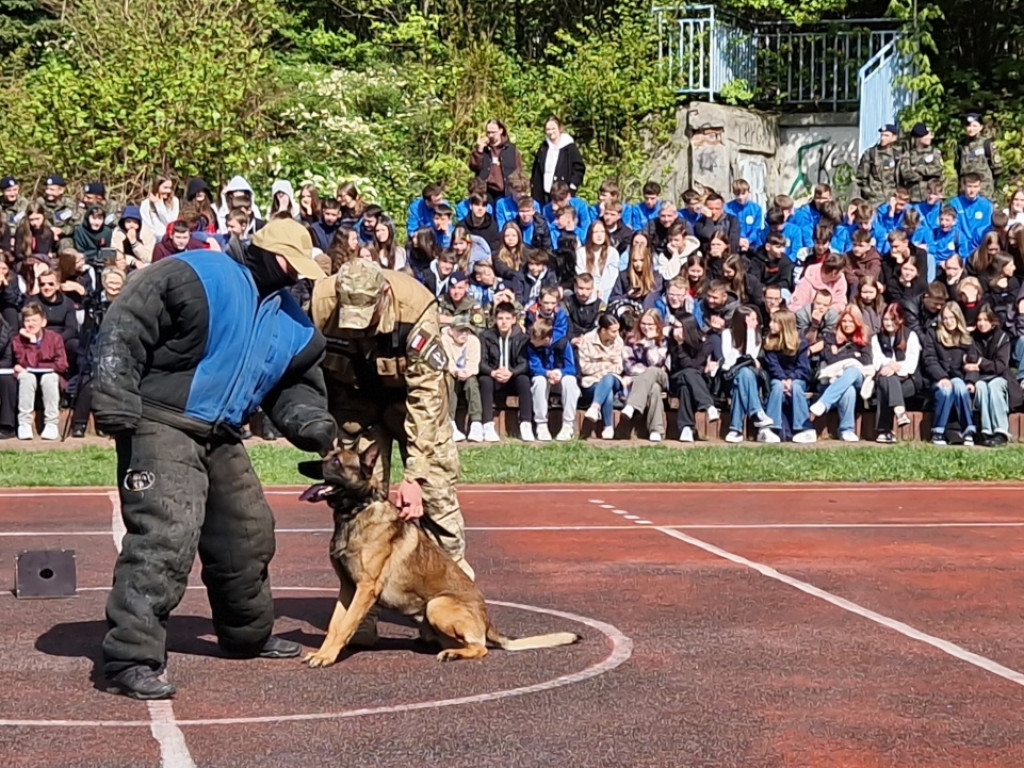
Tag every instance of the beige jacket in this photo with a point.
(465, 357)
(595, 359)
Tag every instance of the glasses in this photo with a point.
(47, 282)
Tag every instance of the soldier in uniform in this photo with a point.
(977, 154)
(920, 164)
(61, 210)
(12, 204)
(95, 193)
(876, 172)
(385, 370)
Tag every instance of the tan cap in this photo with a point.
(291, 240)
(360, 285)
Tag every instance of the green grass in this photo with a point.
(580, 462)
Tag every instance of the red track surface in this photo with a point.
(729, 666)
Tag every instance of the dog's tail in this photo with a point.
(551, 640)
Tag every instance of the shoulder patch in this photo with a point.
(435, 357)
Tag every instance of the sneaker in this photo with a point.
(50, 432)
(593, 413)
(767, 436)
(969, 440)
(762, 420)
(999, 438)
(490, 433)
(654, 437)
(8, 434)
(608, 433)
(686, 435)
(457, 435)
(734, 436)
(938, 439)
(543, 434)
(818, 409)
(24, 431)
(903, 420)
(885, 437)
(565, 434)
(805, 436)
(269, 433)
(476, 432)
(849, 436)
(78, 431)
(712, 413)
(526, 432)
(140, 682)
(274, 648)
(628, 411)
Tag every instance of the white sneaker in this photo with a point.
(50, 432)
(24, 431)
(526, 432)
(476, 432)
(762, 420)
(654, 437)
(805, 436)
(608, 433)
(543, 434)
(818, 409)
(457, 435)
(849, 436)
(712, 413)
(768, 436)
(490, 433)
(628, 411)
(734, 436)
(686, 435)
(565, 434)
(593, 413)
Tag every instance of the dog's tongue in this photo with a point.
(315, 492)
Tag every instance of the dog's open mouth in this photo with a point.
(319, 492)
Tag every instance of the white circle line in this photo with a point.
(622, 649)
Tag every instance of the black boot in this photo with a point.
(78, 430)
(274, 648)
(140, 682)
(269, 433)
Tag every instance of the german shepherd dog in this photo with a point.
(379, 557)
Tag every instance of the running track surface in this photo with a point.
(722, 626)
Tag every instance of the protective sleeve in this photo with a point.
(298, 404)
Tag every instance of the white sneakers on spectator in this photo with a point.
(766, 435)
(490, 433)
(805, 436)
(50, 432)
(476, 432)
(593, 413)
(543, 434)
(628, 411)
(608, 433)
(734, 436)
(565, 434)
(686, 435)
(712, 413)
(885, 437)
(526, 432)
(818, 409)
(457, 434)
(849, 436)
(24, 431)
(762, 419)
(654, 437)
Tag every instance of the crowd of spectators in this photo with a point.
(895, 300)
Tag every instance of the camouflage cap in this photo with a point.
(359, 285)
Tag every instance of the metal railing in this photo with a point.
(883, 93)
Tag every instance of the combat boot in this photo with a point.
(140, 682)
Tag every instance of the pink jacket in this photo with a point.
(811, 283)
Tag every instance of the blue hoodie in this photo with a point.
(419, 215)
(582, 215)
(639, 215)
(974, 218)
(462, 210)
(929, 214)
(750, 217)
(507, 209)
(557, 356)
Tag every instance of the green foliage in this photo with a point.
(23, 23)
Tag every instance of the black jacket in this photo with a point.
(767, 271)
(6, 347)
(582, 317)
(658, 235)
(569, 168)
(939, 362)
(994, 362)
(490, 355)
(60, 315)
(728, 224)
(485, 228)
(681, 356)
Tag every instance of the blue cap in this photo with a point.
(7, 182)
(889, 128)
(55, 179)
(457, 276)
(501, 285)
(95, 188)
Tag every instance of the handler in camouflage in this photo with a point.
(921, 163)
(876, 172)
(385, 371)
(976, 153)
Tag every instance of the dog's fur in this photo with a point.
(379, 557)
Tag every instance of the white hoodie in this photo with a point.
(283, 185)
(564, 140)
(237, 184)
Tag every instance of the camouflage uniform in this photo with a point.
(876, 173)
(62, 214)
(918, 166)
(14, 212)
(978, 155)
(388, 384)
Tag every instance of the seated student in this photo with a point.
(741, 348)
(948, 239)
(744, 285)
(895, 355)
(608, 192)
(510, 257)
(1001, 286)
(329, 223)
(552, 367)
(714, 312)
(480, 223)
(391, 254)
(970, 298)
(715, 249)
(469, 248)
(309, 204)
(769, 265)
(179, 241)
(918, 235)
(546, 307)
(441, 269)
(506, 209)
(421, 253)
(8, 382)
(93, 235)
(33, 234)
(996, 392)
(979, 260)
(715, 220)
(482, 286)
(675, 302)
(537, 276)
(598, 258)
(421, 210)
(79, 282)
(932, 205)
(562, 197)
(565, 228)
(39, 362)
(775, 222)
(817, 319)
(509, 292)
(504, 371)
(828, 275)
(639, 281)
(862, 261)
(644, 372)
(973, 211)
(771, 302)
(692, 210)
(536, 232)
(366, 225)
(806, 217)
(641, 214)
(678, 247)
(890, 215)
(457, 302)
(845, 363)
(131, 240)
(864, 219)
(236, 197)
(583, 306)
(690, 355)
(747, 213)
(869, 299)
(947, 352)
(697, 279)
(61, 313)
(441, 224)
(658, 229)
(950, 275)
(619, 234)
(599, 362)
(476, 187)
(789, 368)
(819, 249)
(462, 348)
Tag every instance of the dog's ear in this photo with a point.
(368, 458)
(314, 470)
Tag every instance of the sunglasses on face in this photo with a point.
(47, 282)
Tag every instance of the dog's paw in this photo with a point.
(319, 659)
(449, 655)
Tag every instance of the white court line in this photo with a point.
(173, 749)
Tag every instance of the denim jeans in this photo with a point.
(945, 400)
(746, 400)
(776, 399)
(604, 395)
(993, 403)
(842, 393)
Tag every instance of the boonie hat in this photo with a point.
(288, 238)
(7, 182)
(55, 180)
(920, 130)
(359, 287)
